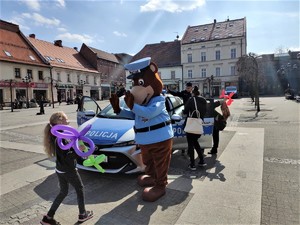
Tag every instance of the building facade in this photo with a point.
(209, 53)
(22, 69)
(167, 57)
(71, 74)
(110, 68)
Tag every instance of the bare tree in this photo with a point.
(247, 68)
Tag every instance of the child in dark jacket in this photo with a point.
(65, 170)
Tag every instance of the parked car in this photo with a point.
(114, 135)
(230, 89)
(297, 97)
(289, 93)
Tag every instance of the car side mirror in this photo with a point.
(90, 113)
(176, 118)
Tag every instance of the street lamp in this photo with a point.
(27, 80)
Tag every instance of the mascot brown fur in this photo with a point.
(153, 128)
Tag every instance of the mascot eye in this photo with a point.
(141, 82)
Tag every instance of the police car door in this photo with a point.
(87, 110)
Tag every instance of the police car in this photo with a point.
(114, 135)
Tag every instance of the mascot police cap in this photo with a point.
(135, 67)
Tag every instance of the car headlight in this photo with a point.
(127, 143)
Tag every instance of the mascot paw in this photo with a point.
(114, 101)
(151, 194)
(129, 99)
(146, 181)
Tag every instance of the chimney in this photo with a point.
(215, 20)
(58, 43)
(32, 35)
(76, 49)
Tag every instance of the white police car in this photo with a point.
(114, 135)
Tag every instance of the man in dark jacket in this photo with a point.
(185, 94)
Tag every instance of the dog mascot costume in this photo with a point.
(153, 129)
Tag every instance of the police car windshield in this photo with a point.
(108, 111)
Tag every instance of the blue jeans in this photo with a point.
(64, 180)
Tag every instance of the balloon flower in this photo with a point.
(228, 98)
(92, 160)
(72, 137)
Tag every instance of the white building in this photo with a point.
(209, 53)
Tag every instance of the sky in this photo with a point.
(126, 26)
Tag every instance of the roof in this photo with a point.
(61, 56)
(14, 43)
(215, 31)
(164, 54)
(105, 55)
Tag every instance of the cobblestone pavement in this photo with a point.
(280, 185)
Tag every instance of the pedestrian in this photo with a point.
(219, 124)
(42, 109)
(78, 101)
(66, 172)
(121, 92)
(185, 95)
(192, 139)
(59, 98)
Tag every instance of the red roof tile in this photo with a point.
(16, 44)
(213, 31)
(63, 57)
(164, 54)
(105, 55)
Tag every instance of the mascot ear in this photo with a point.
(153, 67)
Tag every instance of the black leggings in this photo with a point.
(193, 143)
(65, 179)
(215, 138)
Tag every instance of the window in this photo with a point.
(233, 53)
(68, 77)
(17, 73)
(41, 75)
(218, 55)
(190, 74)
(189, 58)
(58, 76)
(173, 75)
(32, 58)
(49, 58)
(78, 78)
(29, 74)
(203, 56)
(218, 71)
(95, 80)
(232, 68)
(203, 72)
(87, 79)
(7, 53)
(60, 60)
